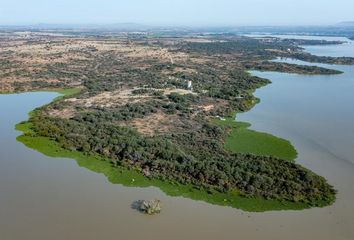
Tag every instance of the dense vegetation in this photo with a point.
(320, 59)
(243, 45)
(286, 67)
(196, 158)
(267, 48)
(191, 151)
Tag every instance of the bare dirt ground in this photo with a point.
(27, 57)
(122, 97)
(38, 61)
(161, 123)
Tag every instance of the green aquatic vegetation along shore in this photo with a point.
(117, 118)
(125, 174)
(132, 178)
(241, 139)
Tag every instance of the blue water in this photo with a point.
(45, 198)
(343, 50)
(316, 113)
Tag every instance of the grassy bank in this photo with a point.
(241, 139)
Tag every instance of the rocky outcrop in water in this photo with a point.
(150, 207)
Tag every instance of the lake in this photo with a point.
(343, 50)
(45, 198)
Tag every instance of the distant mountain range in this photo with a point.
(345, 29)
(116, 26)
(346, 24)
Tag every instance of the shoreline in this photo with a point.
(132, 178)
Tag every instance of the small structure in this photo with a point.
(190, 85)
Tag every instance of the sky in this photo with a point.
(177, 12)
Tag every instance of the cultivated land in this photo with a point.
(127, 112)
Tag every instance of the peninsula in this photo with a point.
(158, 109)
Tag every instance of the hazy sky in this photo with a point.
(181, 12)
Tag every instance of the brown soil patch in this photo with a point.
(66, 113)
(161, 123)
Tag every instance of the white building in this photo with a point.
(190, 85)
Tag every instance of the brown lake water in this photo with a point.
(43, 198)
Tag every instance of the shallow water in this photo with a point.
(343, 50)
(305, 37)
(45, 198)
(316, 114)
(316, 37)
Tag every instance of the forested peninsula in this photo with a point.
(159, 111)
